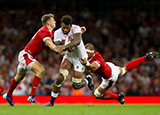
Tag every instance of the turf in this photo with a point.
(80, 110)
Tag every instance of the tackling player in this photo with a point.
(75, 50)
(109, 72)
(27, 60)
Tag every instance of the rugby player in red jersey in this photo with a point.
(26, 58)
(109, 72)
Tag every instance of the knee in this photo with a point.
(64, 73)
(18, 79)
(76, 83)
(76, 86)
(20, 74)
(41, 72)
(59, 81)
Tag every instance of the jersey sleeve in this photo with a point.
(99, 60)
(76, 29)
(45, 35)
(57, 36)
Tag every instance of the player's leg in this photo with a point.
(101, 92)
(14, 82)
(65, 67)
(77, 78)
(39, 70)
(133, 64)
(21, 72)
(78, 82)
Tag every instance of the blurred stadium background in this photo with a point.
(120, 29)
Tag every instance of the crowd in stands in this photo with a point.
(120, 37)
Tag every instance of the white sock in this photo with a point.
(86, 81)
(54, 94)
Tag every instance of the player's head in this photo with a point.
(89, 49)
(48, 20)
(66, 23)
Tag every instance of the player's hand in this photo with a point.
(83, 29)
(83, 61)
(60, 49)
(63, 53)
(54, 49)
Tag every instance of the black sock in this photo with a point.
(33, 96)
(52, 100)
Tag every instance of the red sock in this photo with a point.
(109, 96)
(35, 84)
(12, 86)
(133, 64)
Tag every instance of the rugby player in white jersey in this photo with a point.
(71, 36)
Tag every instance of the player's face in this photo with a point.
(90, 55)
(65, 28)
(52, 22)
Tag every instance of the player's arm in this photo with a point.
(48, 42)
(92, 66)
(59, 43)
(76, 41)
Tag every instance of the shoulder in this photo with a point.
(75, 29)
(44, 32)
(75, 26)
(97, 54)
(44, 29)
(58, 31)
(58, 34)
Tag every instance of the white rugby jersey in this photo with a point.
(79, 51)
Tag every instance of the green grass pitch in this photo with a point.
(86, 109)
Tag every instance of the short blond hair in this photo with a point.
(89, 46)
(46, 17)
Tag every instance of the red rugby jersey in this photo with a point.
(104, 70)
(36, 44)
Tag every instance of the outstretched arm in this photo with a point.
(52, 46)
(92, 66)
(48, 42)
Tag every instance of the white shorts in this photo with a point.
(25, 61)
(77, 66)
(113, 78)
